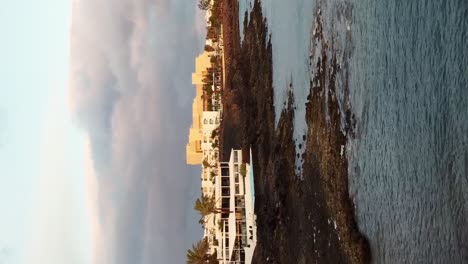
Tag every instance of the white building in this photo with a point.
(235, 233)
(210, 145)
(210, 122)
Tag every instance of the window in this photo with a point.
(211, 121)
(239, 203)
(236, 158)
(225, 202)
(225, 181)
(205, 121)
(217, 121)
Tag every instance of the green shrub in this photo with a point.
(243, 169)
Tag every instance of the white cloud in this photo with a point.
(60, 232)
(130, 89)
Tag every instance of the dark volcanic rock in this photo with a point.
(308, 220)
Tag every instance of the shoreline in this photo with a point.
(299, 221)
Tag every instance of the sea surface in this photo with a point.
(408, 88)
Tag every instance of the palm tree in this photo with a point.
(213, 259)
(204, 4)
(206, 205)
(199, 253)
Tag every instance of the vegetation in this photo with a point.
(213, 174)
(206, 205)
(212, 33)
(204, 4)
(207, 87)
(242, 169)
(214, 28)
(198, 254)
(202, 222)
(214, 22)
(215, 144)
(215, 59)
(208, 48)
(215, 133)
(207, 164)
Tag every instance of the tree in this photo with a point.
(214, 22)
(207, 164)
(198, 254)
(204, 4)
(211, 33)
(208, 88)
(213, 174)
(208, 48)
(202, 222)
(206, 205)
(215, 144)
(213, 259)
(214, 133)
(213, 59)
(208, 82)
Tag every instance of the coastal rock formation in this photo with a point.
(300, 220)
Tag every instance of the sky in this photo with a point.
(95, 106)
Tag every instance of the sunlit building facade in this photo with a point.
(234, 236)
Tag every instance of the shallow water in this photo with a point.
(291, 43)
(409, 91)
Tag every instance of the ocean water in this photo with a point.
(409, 164)
(408, 69)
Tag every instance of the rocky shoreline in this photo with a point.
(308, 220)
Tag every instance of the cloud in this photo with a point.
(3, 124)
(130, 89)
(5, 252)
(58, 233)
